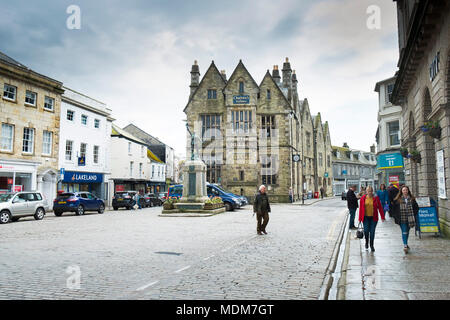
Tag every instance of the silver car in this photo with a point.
(14, 206)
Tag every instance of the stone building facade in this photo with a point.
(30, 120)
(250, 134)
(422, 89)
(353, 167)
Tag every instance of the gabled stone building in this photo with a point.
(248, 134)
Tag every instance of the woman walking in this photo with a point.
(405, 212)
(369, 208)
(384, 197)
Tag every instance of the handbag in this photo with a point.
(360, 231)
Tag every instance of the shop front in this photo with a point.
(391, 169)
(17, 176)
(130, 185)
(75, 181)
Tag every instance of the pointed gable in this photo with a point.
(269, 82)
(240, 72)
(212, 79)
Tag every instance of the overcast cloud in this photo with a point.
(136, 55)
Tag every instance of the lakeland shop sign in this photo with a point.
(82, 177)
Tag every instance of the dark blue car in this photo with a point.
(231, 202)
(78, 202)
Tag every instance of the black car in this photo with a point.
(151, 200)
(123, 199)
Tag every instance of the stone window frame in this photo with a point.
(28, 140)
(6, 92)
(268, 94)
(209, 128)
(47, 142)
(271, 178)
(244, 121)
(11, 138)
(241, 86)
(46, 103)
(29, 93)
(212, 94)
(268, 125)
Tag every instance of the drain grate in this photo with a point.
(169, 253)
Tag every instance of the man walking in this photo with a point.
(352, 205)
(261, 207)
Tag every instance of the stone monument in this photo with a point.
(194, 181)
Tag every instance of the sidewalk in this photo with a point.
(312, 201)
(389, 273)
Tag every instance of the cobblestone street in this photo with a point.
(138, 255)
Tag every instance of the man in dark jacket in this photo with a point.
(261, 207)
(392, 193)
(352, 205)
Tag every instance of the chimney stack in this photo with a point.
(287, 74)
(372, 148)
(195, 78)
(276, 75)
(224, 75)
(346, 145)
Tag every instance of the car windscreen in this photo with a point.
(65, 195)
(121, 194)
(5, 197)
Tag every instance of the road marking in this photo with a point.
(207, 258)
(146, 286)
(182, 269)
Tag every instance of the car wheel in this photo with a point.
(101, 209)
(58, 213)
(228, 206)
(115, 208)
(80, 210)
(128, 208)
(40, 213)
(5, 216)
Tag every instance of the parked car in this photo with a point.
(78, 202)
(344, 195)
(243, 200)
(123, 199)
(162, 196)
(230, 202)
(14, 206)
(151, 200)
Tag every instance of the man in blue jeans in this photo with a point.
(352, 205)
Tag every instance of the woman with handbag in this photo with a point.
(405, 213)
(369, 208)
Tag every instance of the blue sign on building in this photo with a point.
(390, 161)
(243, 99)
(82, 177)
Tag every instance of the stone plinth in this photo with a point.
(194, 185)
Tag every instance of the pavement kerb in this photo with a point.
(343, 279)
(328, 280)
(299, 203)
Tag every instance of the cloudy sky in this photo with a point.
(136, 55)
